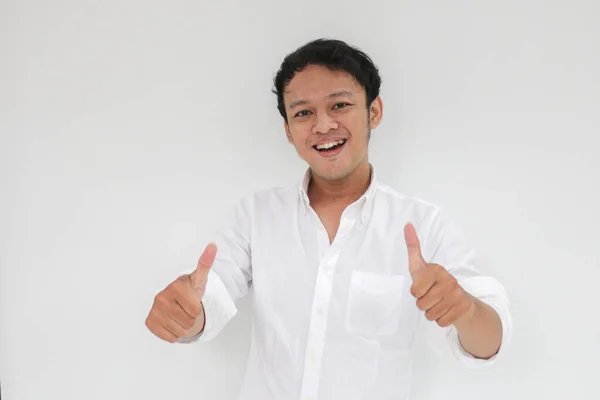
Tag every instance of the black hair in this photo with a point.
(335, 55)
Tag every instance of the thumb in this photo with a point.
(415, 260)
(200, 275)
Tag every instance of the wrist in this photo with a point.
(471, 314)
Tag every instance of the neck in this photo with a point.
(346, 190)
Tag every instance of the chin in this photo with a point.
(332, 173)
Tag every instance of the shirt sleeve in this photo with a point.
(448, 246)
(230, 277)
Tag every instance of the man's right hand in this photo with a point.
(177, 311)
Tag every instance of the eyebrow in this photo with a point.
(333, 95)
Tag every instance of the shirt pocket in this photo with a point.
(374, 303)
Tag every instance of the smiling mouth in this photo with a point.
(330, 146)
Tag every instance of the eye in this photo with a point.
(339, 106)
(302, 113)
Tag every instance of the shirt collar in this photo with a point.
(364, 203)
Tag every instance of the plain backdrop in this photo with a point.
(130, 128)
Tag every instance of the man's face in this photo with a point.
(328, 120)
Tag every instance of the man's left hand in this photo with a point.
(437, 292)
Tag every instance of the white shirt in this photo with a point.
(335, 321)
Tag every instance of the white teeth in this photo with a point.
(329, 144)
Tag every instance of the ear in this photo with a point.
(287, 132)
(376, 111)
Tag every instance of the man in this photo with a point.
(342, 266)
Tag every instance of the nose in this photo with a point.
(323, 124)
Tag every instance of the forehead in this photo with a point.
(316, 82)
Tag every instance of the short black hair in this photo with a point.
(335, 55)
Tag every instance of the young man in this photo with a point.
(342, 266)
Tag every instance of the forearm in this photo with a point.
(480, 334)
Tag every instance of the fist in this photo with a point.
(177, 311)
(437, 292)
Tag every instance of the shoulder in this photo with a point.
(432, 222)
(271, 198)
(408, 207)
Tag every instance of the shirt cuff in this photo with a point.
(491, 292)
(219, 308)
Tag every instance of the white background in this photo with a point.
(129, 128)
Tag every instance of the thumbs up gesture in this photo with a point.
(437, 292)
(177, 311)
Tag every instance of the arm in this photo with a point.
(471, 308)
(480, 331)
(230, 277)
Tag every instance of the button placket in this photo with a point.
(319, 312)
